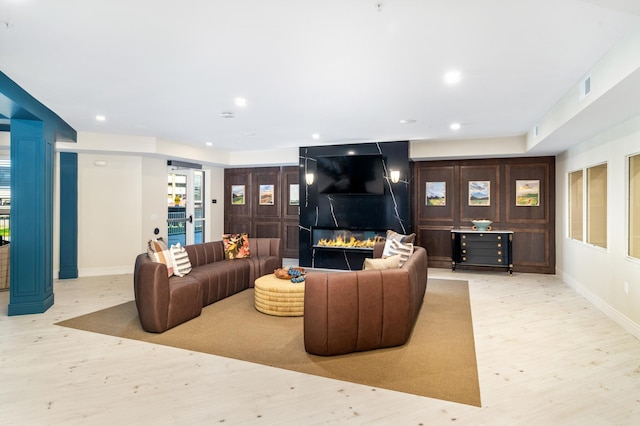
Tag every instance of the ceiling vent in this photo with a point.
(585, 87)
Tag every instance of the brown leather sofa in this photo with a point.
(164, 302)
(362, 310)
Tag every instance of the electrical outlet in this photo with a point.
(626, 287)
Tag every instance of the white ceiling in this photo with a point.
(345, 69)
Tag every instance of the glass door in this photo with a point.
(185, 202)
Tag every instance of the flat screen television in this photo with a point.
(350, 174)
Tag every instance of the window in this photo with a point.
(597, 205)
(588, 205)
(634, 206)
(576, 190)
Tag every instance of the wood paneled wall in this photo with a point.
(277, 220)
(533, 226)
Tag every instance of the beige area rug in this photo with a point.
(439, 361)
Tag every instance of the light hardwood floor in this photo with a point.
(545, 356)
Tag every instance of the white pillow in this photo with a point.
(403, 249)
(180, 258)
(391, 262)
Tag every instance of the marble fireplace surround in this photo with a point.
(359, 214)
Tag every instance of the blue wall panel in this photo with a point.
(68, 215)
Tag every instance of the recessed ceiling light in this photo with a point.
(241, 102)
(315, 136)
(227, 114)
(455, 126)
(209, 143)
(408, 121)
(101, 118)
(452, 77)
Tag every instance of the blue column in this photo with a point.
(68, 215)
(31, 285)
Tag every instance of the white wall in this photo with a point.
(110, 201)
(119, 206)
(599, 274)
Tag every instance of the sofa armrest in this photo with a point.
(356, 311)
(151, 289)
(264, 247)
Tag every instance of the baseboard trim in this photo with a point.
(95, 272)
(618, 317)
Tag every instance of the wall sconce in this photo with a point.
(309, 178)
(395, 176)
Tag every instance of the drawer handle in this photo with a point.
(499, 237)
(464, 251)
(499, 253)
(499, 245)
(464, 236)
(499, 260)
(464, 259)
(464, 244)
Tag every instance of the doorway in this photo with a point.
(186, 221)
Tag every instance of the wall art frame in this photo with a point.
(266, 195)
(238, 194)
(294, 194)
(436, 194)
(479, 193)
(528, 192)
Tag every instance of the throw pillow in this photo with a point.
(394, 236)
(391, 262)
(403, 249)
(180, 258)
(236, 246)
(159, 252)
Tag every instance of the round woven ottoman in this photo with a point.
(275, 296)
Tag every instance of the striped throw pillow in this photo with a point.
(403, 249)
(394, 236)
(180, 258)
(159, 252)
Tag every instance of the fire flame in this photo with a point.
(345, 241)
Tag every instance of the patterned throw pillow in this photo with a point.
(159, 252)
(236, 246)
(391, 262)
(394, 236)
(180, 258)
(403, 249)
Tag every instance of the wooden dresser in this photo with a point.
(481, 248)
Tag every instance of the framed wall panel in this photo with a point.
(429, 178)
(437, 241)
(527, 172)
(266, 192)
(239, 177)
(531, 248)
(290, 243)
(267, 230)
(290, 177)
(482, 173)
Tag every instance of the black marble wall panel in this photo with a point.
(390, 210)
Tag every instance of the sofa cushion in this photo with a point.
(159, 252)
(236, 246)
(391, 262)
(394, 236)
(180, 259)
(403, 249)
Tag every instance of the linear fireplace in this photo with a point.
(346, 238)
